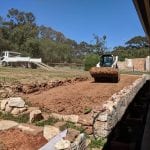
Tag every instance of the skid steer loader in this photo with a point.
(106, 70)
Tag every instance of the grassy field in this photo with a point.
(8, 74)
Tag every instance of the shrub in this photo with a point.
(91, 61)
(98, 143)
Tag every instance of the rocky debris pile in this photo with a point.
(9, 90)
(13, 105)
(68, 139)
(78, 143)
(6, 91)
(72, 139)
(82, 121)
(34, 87)
(17, 106)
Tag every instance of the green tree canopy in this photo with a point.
(137, 42)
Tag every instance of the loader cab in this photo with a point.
(106, 60)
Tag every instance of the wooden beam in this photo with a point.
(143, 10)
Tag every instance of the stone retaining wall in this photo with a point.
(107, 116)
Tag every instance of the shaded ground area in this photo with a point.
(77, 98)
(17, 140)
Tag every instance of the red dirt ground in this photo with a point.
(75, 98)
(15, 139)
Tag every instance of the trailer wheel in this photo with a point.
(33, 66)
(4, 64)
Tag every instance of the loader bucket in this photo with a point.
(105, 74)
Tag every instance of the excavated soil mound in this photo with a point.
(34, 87)
(17, 140)
(77, 98)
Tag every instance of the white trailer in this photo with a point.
(10, 58)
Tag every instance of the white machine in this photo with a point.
(106, 70)
(10, 58)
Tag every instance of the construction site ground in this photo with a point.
(77, 97)
(72, 98)
(14, 139)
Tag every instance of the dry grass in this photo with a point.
(23, 75)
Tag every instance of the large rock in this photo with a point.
(103, 116)
(85, 120)
(89, 130)
(59, 124)
(50, 131)
(30, 129)
(7, 124)
(15, 111)
(71, 118)
(21, 110)
(27, 89)
(16, 102)
(3, 104)
(62, 144)
(35, 115)
(3, 93)
(8, 108)
(72, 134)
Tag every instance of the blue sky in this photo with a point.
(80, 19)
